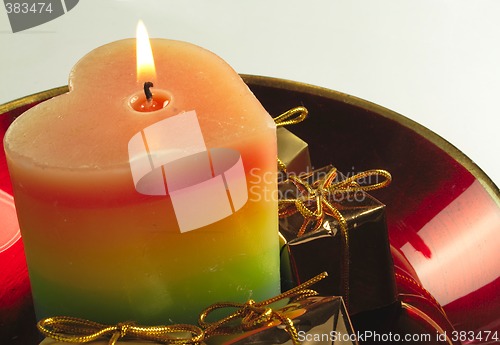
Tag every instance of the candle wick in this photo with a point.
(147, 91)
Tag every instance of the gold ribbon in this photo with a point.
(290, 117)
(256, 314)
(75, 330)
(314, 204)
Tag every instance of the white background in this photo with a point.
(434, 61)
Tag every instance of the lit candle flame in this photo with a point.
(145, 62)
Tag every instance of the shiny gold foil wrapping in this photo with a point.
(371, 278)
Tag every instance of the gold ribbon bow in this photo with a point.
(314, 203)
(75, 330)
(255, 314)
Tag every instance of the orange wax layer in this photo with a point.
(93, 243)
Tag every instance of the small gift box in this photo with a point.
(331, 224)
(295, 317)
(293, 152)
(318, 320)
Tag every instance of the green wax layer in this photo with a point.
(158, 299)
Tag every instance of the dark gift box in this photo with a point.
(318, 320)
(341, 232)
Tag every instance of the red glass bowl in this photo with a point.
(443, 212)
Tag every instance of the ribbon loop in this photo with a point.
(291, 117)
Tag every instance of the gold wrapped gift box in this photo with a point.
(323, 247)
(293, 151)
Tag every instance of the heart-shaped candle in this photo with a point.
(147, 207)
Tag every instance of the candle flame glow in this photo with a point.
(145, 63)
